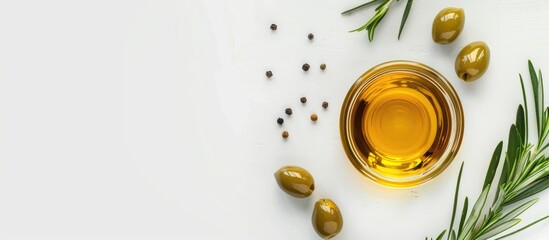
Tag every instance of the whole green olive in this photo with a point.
(295, 181)
(327, 219)
(472, 61)
(448, 25)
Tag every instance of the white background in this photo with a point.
(154, 120)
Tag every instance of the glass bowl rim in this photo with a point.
(456, 115)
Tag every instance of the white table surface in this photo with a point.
(153, 119)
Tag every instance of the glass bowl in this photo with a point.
(401, 124)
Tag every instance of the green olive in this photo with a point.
(472, 61)
(448, 25)
(327, 219)
(295, 181)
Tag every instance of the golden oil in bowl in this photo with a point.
(401, 123)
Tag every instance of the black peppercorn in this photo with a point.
(274, 27)
(280, 121)
(305, 67)
(322, 66)
(311, 36)
(288, 111)
(325, 105)
(303, 100)
(269, 74)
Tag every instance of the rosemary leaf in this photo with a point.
(476, 212)
(535, 90)
(383, 4)
(523, 228)
(360, 6)
(498, 229)
(519, 210)
(455, 199)
(542, 97)
(541, 86)
(534, 188)
(371, 28)
(463, 214)
(441, 235)
(525, 107)
(511, 154)
(405, 16)
(521, 128)
(493, 165)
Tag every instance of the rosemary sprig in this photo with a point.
(525, 172)
(381, 11)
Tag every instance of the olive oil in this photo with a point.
(401, 125)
